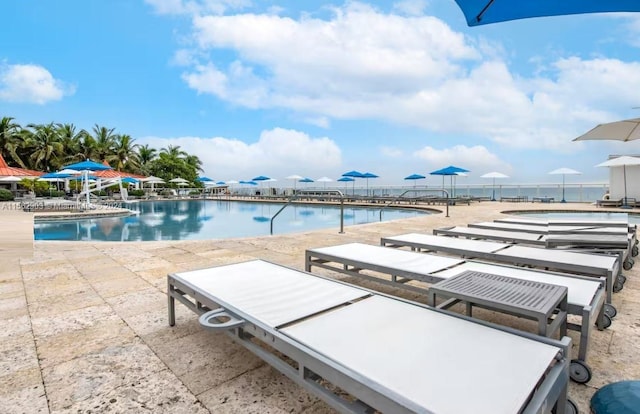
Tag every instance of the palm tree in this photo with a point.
(10, 140)
(194, 161)
(45, 146)
(104, 142)
(146, 155)
(174, 151)
(71, 142)
(124, 155)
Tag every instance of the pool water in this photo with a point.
(589, 215)
(208, 219)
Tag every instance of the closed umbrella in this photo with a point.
(563, 172)
(622, 161)
(494, 175)
(479, 12)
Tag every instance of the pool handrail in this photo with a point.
(313, 194)
(418, 190)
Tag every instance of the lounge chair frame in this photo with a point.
(309, 365)
(608, 244)
(559, 260)
(590, 313)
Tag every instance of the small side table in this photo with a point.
(539, 301)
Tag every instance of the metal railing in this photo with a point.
(445, 192)
(316, 194)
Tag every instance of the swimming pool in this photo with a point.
(592, 215)
(209, 219)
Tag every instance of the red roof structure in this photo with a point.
(6, 171)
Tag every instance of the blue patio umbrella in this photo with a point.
(347, 179)
(306, 180)
(129, 180)
(368, 175)
(353, 174)
(87, 165)
(414, 178)
(203, 179)
(261, 178)
(220, 183)
(450, 171)
(478, 12)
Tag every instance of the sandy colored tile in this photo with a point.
(263, 390)
(27, 377)
(61, 348)
(103, 274)
(141, 301)
(52, 306)
(154, 327)
(18, 353)
(120, 286)
(71, 321)
(14, 327)
(94, 375)
(29, 400)
(146, 264)
(13, 307)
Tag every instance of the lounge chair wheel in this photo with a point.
(622, 278)
(606, 321)
(610, 310)
(572, 407)
(627, 265)
(579, 371)
(617, 287)
(634, 251)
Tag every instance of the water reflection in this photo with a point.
(205, 219)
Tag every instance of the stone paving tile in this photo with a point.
(29, 400)
(13, 307)
(91, 377)
(54, 305)
(264, 391)
(139, 301)
(70, 321)
(105, 274)
(18, 354)
(16, 326)
(72, 345)
(18, 379)
(120, 286)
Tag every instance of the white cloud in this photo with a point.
(30, 84)
(278, 153)
(409, 69)
(477, 159)
(411, 7)
(196, 6)
(391, 152)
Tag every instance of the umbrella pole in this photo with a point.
(563, 200)
(624, 175)
(493, 196)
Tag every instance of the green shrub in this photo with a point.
(5, 195)
(136, 193)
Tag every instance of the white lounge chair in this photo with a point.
(389, 354)
(587, 264)
(622, 244)
(401, 268)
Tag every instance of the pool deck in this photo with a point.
(85, 323)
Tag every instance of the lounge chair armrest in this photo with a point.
(212, 320)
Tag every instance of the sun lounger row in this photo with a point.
(412, 270)
(596, 265)
(384, 353)
(622, 244)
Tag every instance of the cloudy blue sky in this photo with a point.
(317, 89)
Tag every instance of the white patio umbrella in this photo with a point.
(11, 179)
(494, 175)
(626, 130)
(179, 181)
(152, 180)
(622, 161)
(295, 179)
(324, 180)
(564, 171)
